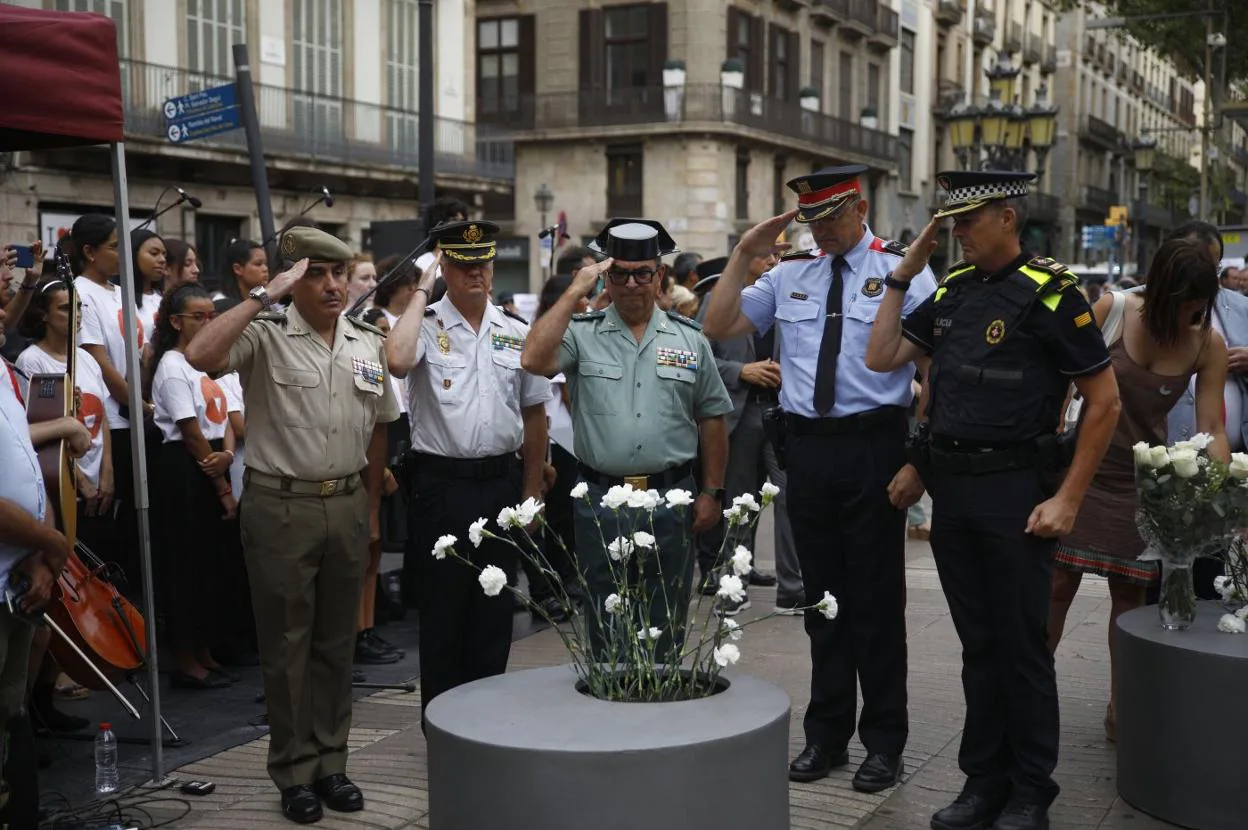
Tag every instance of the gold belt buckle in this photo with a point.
(329, 488)
(638, 482)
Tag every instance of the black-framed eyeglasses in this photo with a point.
(198, 316)
(643, 276)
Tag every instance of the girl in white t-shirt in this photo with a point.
(196, 505)
(148, 250)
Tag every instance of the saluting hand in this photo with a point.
(760, 240)
(587, 277)
(1052, 519)
(919, 253)
(280, 285)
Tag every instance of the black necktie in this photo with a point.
(830, 346)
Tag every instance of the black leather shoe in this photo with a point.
(879, 772)
(814, 764)
(368, 652)
(1021, 816)
(375, 638)
(763, 579)
(358, 676)
(182, 680)
(300, 804)
(553, 609)
(969, 811)
(340, 794)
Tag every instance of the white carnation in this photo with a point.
(443, 544)
(741, 559)
(642, 539)
(579, 491)
(643, 499)
(617, 496)
(1200, 441)
(1239, 465)
(1185, 463)
(612, 603)
(1242, 613)
(827, 606)
(476, 532)
(493, 580)
(507, 518)
(731, 629)
(1224, 587)
(769, 493)
(1232, 624)
(527, 511)
(746, 501)
(733, 515)
(679, 498)
(731, 587)
(620, 549)
(727, 654)
(650, 633)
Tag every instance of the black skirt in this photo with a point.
(195, 545)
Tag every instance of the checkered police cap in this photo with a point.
(968, 190)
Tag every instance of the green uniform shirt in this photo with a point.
(636, 406)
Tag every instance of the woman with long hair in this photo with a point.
(181, 263)
(361, 277)
(1166, 339)
(197, 507)
(246, 266)
(147, 250)
(93, 254)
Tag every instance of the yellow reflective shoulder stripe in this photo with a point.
(1042, 279)
(1039, 277)
(941, 289)
(1051, 300)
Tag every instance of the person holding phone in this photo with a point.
(30, 259)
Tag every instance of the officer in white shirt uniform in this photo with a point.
(472, 409)
(849, 482)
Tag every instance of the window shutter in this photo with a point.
(657, 14)
(795, 73)
(734, 20)
(755, 73)
(593, 49)
(774, 33)
(528, 58)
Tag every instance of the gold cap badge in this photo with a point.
(472, 234)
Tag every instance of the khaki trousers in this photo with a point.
(305, 560)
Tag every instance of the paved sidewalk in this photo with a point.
(389, 757)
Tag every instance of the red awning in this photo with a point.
(60, 79)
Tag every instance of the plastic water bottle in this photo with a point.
(106, 780)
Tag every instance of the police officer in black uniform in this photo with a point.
(1007, 332)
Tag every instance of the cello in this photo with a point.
(100, 634)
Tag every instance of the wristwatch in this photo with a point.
(717, 493)
(261, 295)
(900, 285)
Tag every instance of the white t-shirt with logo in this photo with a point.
(180, 391)
(103, 325)
(399, 385)
(233, 388)
(91, 410)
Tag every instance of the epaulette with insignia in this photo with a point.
(1048, 265)
(272, 317)
(589, 315)
(802, 254)
(513, 315)
(896, 248)
(680, 318)
(429, 312)
(360, 324)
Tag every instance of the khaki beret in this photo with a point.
(314, 244)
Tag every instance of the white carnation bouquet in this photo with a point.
(632, 665)
(1190, 505)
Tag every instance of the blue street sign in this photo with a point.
(201, 103)
(180, 132)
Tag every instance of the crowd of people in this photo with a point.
(287, 440)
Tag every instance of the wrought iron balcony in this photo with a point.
(949, 12)
(320, 128)
(863, 17)
(701, 105)
(949, 94)
(887, 25)
(829, 12)
(1031, 48)
(985, 28)
(1098, 199)
(1013, 38)
(1049, 65)
(1102, 132)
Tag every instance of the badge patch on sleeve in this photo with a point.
(683, 358)
(1083, 319)
(995, 332)
(370, 370)
(873, 287)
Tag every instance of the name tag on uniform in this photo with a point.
(369, 370)
(507, 341)
(798, 295)
(683, 358)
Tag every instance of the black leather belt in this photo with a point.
(761, 394)
(648, 481)
(970, 458)
(894, 416)
(495, 466)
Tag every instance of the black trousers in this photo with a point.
(559, 540)
(464, 634)
(997, 580)
(851, 541)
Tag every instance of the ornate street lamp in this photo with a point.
(1041, 128)
(963, 121)
(544, 200)
(1003, 78)
(1145, 149)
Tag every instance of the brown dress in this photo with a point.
(1104, 539)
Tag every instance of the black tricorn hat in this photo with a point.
(708, 271)
(467, 242)
(634, 240)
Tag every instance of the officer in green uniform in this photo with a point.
(1007, 332)
(318, 400)
(645, 397)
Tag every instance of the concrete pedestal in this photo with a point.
(526, 751)
(1181, 720)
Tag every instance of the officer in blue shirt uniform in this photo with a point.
(849, 483)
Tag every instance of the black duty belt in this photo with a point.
(495, 466)
(763, 395)
(892, 416)
(645, 481)
(971, 459)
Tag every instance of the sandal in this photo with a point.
(72, 691)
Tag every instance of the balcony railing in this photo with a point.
(949, 12)
(1031, 48)
(887, 24)
(864, 13)
(948, 95)
(830, 11)
(701, 104)
(1099, 199)
(1102, 131)
(1014, 38)
(985, 29)
(319, 127)
(1049, 64)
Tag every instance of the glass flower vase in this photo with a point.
(1177, 599)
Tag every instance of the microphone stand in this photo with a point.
(391, 275)
(318, 200)
(156, 214)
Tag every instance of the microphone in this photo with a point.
(186, 197)
(327, 197)
(545, 232)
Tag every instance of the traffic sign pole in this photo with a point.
(255, 150)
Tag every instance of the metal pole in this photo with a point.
(1206, 123)
(425, 108)
(1141, 243)
(255, 149)
(134, 370)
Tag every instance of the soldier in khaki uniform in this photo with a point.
(646, 399)
(318, 399)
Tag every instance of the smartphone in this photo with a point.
(25, 256)
(198, 788)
